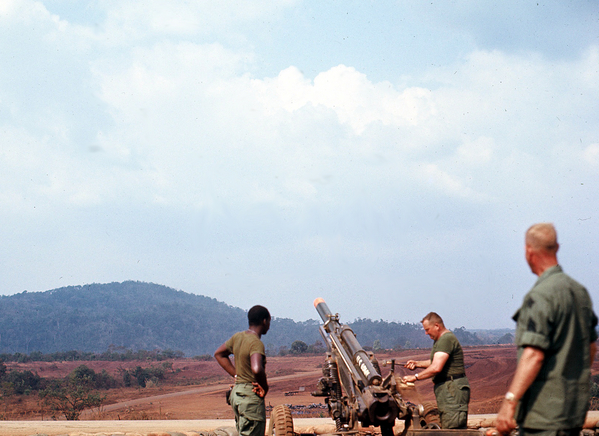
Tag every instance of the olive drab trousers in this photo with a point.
(249, 409)
(453, 397)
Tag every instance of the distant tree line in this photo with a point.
(146, 316)
(108, 356)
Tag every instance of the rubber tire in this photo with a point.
(281, 422)
(431, 415)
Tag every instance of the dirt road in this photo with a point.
(203, 390)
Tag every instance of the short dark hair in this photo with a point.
(257, 314)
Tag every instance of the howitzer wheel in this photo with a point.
(431, 416)
(281, 422)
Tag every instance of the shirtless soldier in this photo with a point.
(247, 396)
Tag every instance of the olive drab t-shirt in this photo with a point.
(449, 344)
(557, 317)
(243, 345)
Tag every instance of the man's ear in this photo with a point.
(528, 250)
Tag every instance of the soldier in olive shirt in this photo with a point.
(251, 386)
(446, 367)
(555, 335)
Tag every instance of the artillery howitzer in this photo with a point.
(353, 386)
(356, 393)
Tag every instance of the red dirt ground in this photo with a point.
(195, 390)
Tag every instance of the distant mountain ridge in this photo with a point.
(131, 314)
(138, 315)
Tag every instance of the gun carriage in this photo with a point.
(352, 385)
(357, 395)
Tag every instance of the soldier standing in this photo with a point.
(446, 367)
(555, 335)
(251, 386)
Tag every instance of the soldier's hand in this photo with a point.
(258, 390)
(410, 364)
(505, 418)
(408, 379)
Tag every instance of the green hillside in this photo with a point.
(131, 314)
(146, 316)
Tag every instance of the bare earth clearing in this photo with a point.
(194, 390)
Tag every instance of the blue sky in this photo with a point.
(386, 156)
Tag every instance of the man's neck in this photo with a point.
(544, 266)
(255, 330)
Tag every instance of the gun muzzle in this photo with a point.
(323, 310)
(343, 337)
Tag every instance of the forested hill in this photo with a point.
(147, 316)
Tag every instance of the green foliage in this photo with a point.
(317, 347)
(142, 375)
(122, 355)
(18, 382)
(21, 358)
(204, 357)
(121, 317)
(298, 347)
(132, 315)
(69, 399)
(6, 389)
(105, 381)
(508, 338)
(495, 336)
(127, 379)
(23, 382)
(465, 337)
(77, 392)
(84, 376)
(389, 333)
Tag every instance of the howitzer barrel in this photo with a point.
(323, 310)
(349, 342)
